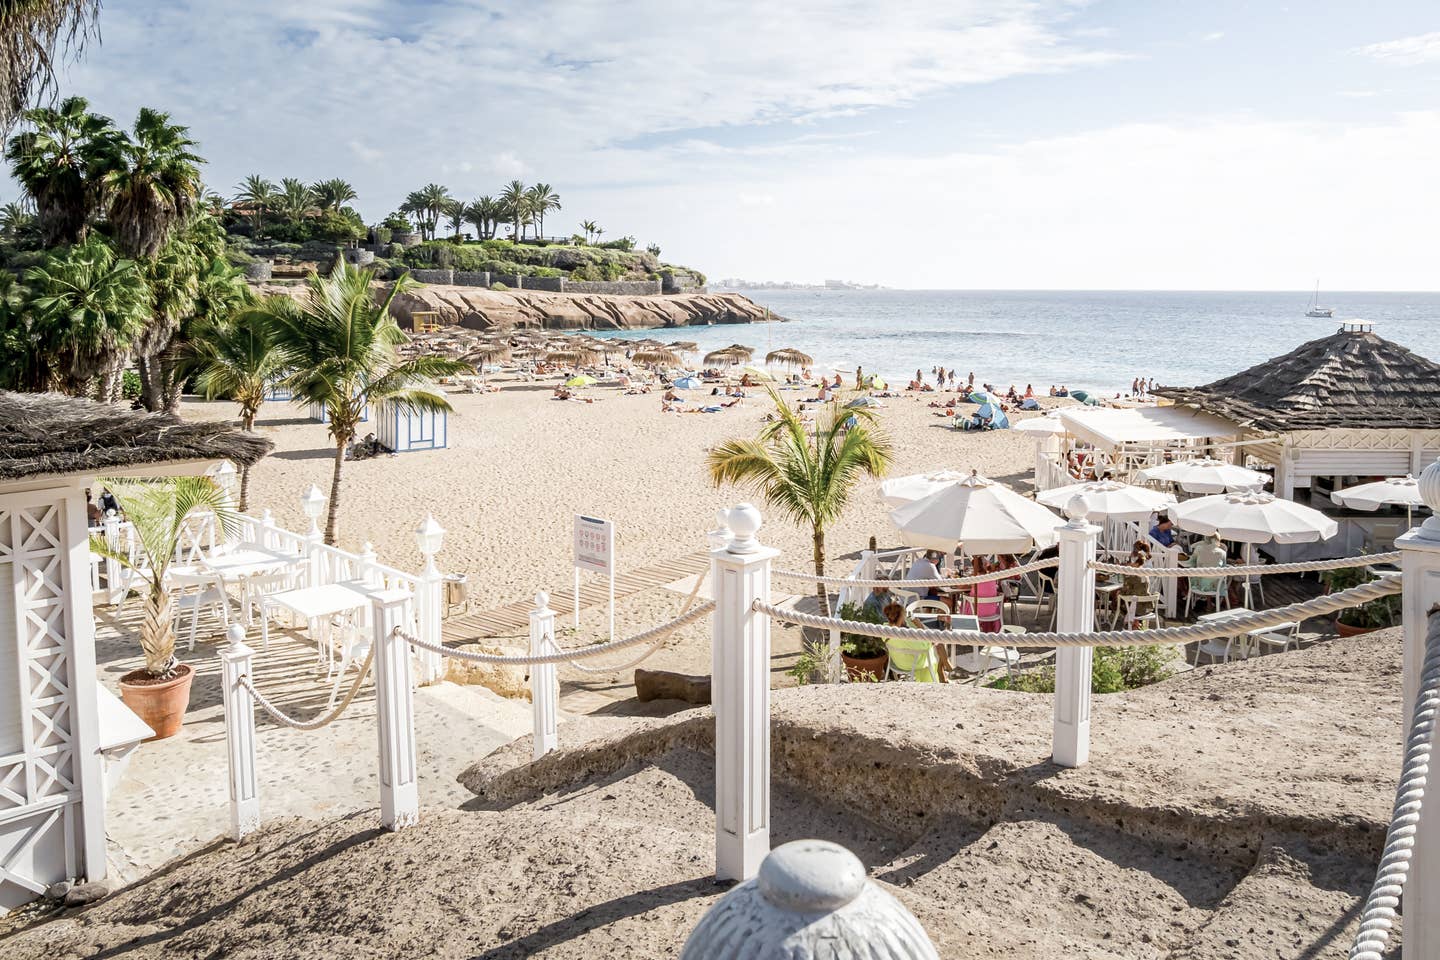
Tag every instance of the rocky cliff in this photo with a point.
(483, 309)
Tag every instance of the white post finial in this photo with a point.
(1076, 511)
(810, 900)
(235, 662)
(740, 692)
(1420, 579)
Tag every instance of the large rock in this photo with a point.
(505, 679)
(665, 685)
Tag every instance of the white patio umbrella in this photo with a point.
(1394, 491)
(1206, 475)
(1253, 517)
(987, 517)
(1109, 499)
(902, 490)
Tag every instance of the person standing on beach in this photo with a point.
(859, 376)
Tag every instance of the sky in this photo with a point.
(1016, 144)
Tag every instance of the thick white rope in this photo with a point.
(655, 644)
(329, 717)
(1379, 914)
(907, 584)
(1239, 569)
(565, 656)
(1210, 630)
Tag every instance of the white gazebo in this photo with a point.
(53, 750)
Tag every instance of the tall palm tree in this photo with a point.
(156, 185)
(220, 292)
(34, 36)
(480, 213)
(516, 200)
(14, 218)
(259, 195)
(591, 228)
(62, 163)
(340, 347)
(542, 200)
(807, 478)
(157, 510)
(88, 306)
(238, 359)
(434, 201)
(455, 213)
(332, 194)
(296, 200)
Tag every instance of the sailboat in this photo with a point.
(1315, 309)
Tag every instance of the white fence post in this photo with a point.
(429, 536)
(1075, 593)
(1420, 573)
(544, 682)
(267, 525)
(235, 662)
(740, 691)
(395, 716)
(113, 574)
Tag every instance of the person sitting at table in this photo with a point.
(895, 616)
(93, 513)
(1209, 552)
(984, 600)
(1136, 585)
(1163, 532)
(926, 567)
(877, 601)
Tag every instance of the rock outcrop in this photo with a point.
(481, 309)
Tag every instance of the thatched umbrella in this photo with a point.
(725, 357)
(487, 353)
(684, 346)
(789, 357)
(741, 348)
(575, 356)
(656, 356)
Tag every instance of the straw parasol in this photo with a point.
(790, 357)
(725, 357)
(656, 356)
(741, 348)
(684, 346)
(576, 355)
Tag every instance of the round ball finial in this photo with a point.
(542, 601)
(235, 633)
(744, 522)
(1429, 484)
(1076, 510)
(811, 899)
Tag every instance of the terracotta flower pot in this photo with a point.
(866, 668)
(160, 703)
(1345, 630)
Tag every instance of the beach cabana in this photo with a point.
(408, 431)
(58, 731)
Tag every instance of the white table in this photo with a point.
(319, 605)
(243, 562)
(1214, 648)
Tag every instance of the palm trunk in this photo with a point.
(157, 632)
(150, 396)
(821, 592)
(333, 519)
(247, 421)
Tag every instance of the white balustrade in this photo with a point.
(1075, 597)
(544, 681)
(1420, 572)
(235, 662)
(740, 692)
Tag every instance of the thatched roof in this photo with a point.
(43, 434)
(1350, 379)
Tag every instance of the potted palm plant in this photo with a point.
(1353, 621)
(159, 692)
(865, 657)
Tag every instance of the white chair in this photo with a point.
(1134, 620)
(1214, 589)
(1282, 636)
(195, 588)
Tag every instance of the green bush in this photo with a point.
(130, 385)
(1112, 670)
(238, 258)
(382, 235)
(857, 644)
(1367, 616)
(544, 272)
(624, 243)
(498, 286)
(398, 221)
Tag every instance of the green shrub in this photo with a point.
(398, 221)
(586, 271)
(1112, 670)
(1367, 616)
(858, 644)
(498, 286)
(238, 258)
(624, 243)
(653, 249)
(382, 235)
(544, 272)
(130, 385)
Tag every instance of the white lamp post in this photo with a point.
(228, 479)
(313, 503)
(429, 537)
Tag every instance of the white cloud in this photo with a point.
(1405, 52)
(1212, 37)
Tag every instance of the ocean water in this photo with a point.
(1092, 340)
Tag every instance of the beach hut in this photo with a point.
(318, 413)
(58, 729)
(408, 431)
(1351, 404)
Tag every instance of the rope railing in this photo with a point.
(654, 644)
(647, 636)
(1306, 566)
(907, 584)
(1211, 630)
(1378, 916)
(329, 717)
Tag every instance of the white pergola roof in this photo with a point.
(1151, 426)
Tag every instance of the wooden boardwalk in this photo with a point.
(513, 620)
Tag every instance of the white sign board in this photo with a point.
(594, 544)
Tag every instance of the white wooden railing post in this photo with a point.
(235, 662)
(113, 574)
(429, 536)
(740, 692)
(544, 681)
(267, 526)
(1075, 594)
(394, 715)
(312, 504)
(1420, 572)
(368, 559)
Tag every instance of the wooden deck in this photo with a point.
(513, 620)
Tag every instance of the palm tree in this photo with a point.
(481, 213)
(332, 194)
(62, 163)
(340, 347)
(220, 292)
(455, 213)
(238, 360)
(591, 228)
(434, 201)
(156, 185)
(157, 510)
(295, 200)
(807, 478)
(36, 35)
(542, 200)
(14, 218)
(516, 200)
(88, 307)
(259, 195)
